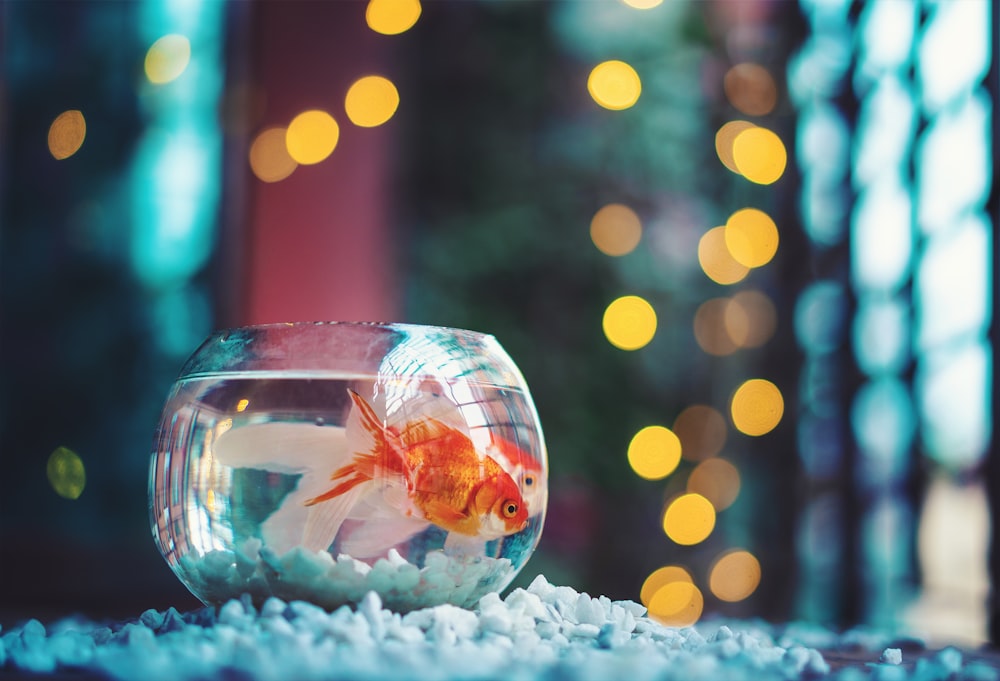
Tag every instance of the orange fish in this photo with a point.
(430, 471)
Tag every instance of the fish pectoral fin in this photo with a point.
(323, 519)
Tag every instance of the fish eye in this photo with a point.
(529, 480)
(510, 509)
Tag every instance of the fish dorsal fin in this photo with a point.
(288, 448)
(376, 449)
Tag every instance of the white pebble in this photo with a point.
(892, 656)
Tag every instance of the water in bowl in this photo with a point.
(322, 487)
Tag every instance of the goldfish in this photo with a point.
(390, 481)
(431, 471)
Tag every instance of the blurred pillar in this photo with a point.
(317, 245)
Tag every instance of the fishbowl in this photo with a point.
(321, 461)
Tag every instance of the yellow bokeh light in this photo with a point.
(710, 327)
(66, 134)
(66, 473)
(759, 155)
(392, 17)
(734, 576)
(757, 407)
(654, 452)
(751, 237)
(269, 157)
(716, 261)
(659, 578)
(643, 4)
(717, 480)
(615, 229)
(371, 101)
(678, 604)
(167, 58)
(689, 519)
(311, 137)
(629, 322)
(614, 85)
(724, 139)
(750, 89)
(701, 430)
(750, 319)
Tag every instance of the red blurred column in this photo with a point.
(318, 244)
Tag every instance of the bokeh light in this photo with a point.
(66, 473)
(614, 85)
(311, 136)
(242, 405)
(629, 322)
(269, 157)
(750, 319)
(751, 237)
(750, 89)
(167, 58)
(654, 452)
(689, 519)
(711, 326)
(660, 577)
(734, 576)
(371, 101)
(615, 229)
(716, 261)
(643, 4)
(757, 407)
(724, 139)
(717, 480)
(66, 134)
(392, 17)
(759, 155)
(678, 604)
(702, 431)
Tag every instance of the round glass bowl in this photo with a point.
(320, 461)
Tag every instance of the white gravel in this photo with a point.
(543, 632)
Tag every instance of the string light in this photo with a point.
(751, 237)
(66, 473)
(654, 452)
(759, 155)
(614, 85)
(167, 59)
(392, 17)
(371, 101)
(311, 136)
(629, 322)
(701, 430)
(724, 139)
(678, 604)
(716, 261)
(269, 157)
(734, 576)
(757, 407)
(659, 578)
(717, 480)
(750, 89)
(689, 519)
(66, 134)
(615, 229)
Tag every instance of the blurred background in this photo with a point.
(743, 252)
